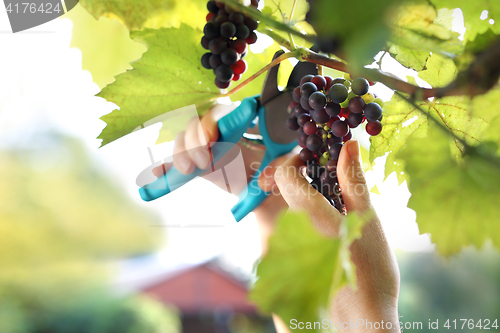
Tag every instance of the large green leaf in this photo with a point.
(418, 26)
(402, 120)
(167, 77)
(137, 14)
(456, 200)
(472, 12)
(295, 284)
(409, 58)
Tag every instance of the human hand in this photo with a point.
(190, 151)
(376, 268)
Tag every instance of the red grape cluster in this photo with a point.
(324, 110)
(226, 35)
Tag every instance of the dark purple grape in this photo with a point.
(338, 93)
(347, 137)
(251, 23)
(372, 111)
(252, 38)
(305, 104)
(333, 109)
(335, 150)
(217, 46)
(360, 86)
(220, 19)
(356, 104)
(204, 42)
(236, 18)
(227, 30)
(224, 73)
(314, 142)
(310, 128)
(301, 140)
(303, 119)
(306, 155)
(320, 116)
(319, 81)
(242, 31)
(317, 100)
(307, 89)
(296, 95)
(291, 124)
(205, 60)
(305, 79)
(215, 61)
(374, 127)
(212, 7)
(340, 129)
(314, 170)
(222, 12)
(354, 119)
(222, 85)
(332, 140)
(331, 166)
(211, 30)
(298, 110)
(229, 57)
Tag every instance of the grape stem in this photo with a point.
(276, 61)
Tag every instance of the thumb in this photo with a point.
(300, 195)
(352, 178)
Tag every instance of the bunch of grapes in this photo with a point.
(226, 35)
(324, 110)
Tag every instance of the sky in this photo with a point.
(43, 88)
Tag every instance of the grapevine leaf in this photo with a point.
(418, 26)
(106, 47)
(137, 14)
(167, 77)
(472, 11)
(402, 120)
(465, 187)
(281, 9)
(292, 283)
(409, 58)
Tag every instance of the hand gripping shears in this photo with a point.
(270, 109)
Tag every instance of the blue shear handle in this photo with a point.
(252, 196)
(231, 128)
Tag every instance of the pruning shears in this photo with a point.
(270, 110)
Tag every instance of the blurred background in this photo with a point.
(81, 252)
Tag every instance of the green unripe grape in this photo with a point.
(368, 98)
(324, 136)
(326, 128)
(379, 102)
(326, 155)
(329, 136)
(323, 160)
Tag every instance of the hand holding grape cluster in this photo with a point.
(227, 34)
(323, 110)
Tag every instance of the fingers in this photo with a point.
(195, 144)
(190, 149)
(352, 179)
(300, 195)
(182, 161)
(161, 169)
(266, 178)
